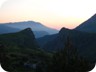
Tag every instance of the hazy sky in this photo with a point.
(52, 13)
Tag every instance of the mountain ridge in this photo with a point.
(22, 39)
(38, 29)
(35, 26)
(83, 41)
(88, 26)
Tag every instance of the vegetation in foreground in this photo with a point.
(30, 60)
(19, 52)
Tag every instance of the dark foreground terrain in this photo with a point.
(19, 52)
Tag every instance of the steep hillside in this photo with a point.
(84, 42)
(88, 26)
(22, 39)
(43, 40)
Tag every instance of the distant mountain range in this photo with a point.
(6, 29)
(83, 37)
(88, 26)
(38, 28)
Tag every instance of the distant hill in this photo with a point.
(39, 34)
(35, 26)
(38, 29)
(6, 29)
(88, 26)
(84, 42)
(43, 40)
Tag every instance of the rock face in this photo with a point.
(88, 26)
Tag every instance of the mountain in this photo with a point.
(35, 26)
(58, 42)
(22, 39)
(43, 40)
(88, 26)
(4, 29)
(19, 51)
(7, 29)
(83, 41)
(39, 34)
(38, 29)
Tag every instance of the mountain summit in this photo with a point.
(64, 31)
(89, 25)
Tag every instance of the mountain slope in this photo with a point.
(20, 51)
(38, 29)
(22, 39)
(39, 34)
(84, 42)
(7, 29)
(4, 29)
(88, 26)
(43, 40)
(35, 26)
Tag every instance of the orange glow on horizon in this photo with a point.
(52, 13)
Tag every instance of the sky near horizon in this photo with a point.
(52, 13)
